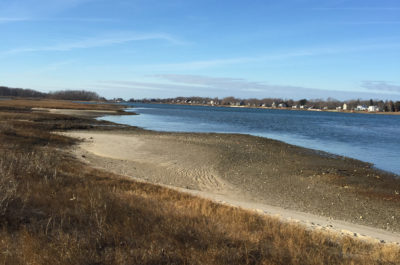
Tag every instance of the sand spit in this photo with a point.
(295, 184)
(79, 113)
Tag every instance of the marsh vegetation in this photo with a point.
(56, 210)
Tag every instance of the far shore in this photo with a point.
(279, 108)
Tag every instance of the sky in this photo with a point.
(343, 49)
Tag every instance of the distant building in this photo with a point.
(294, 107)
(339, 108)
(282, 105)
(344, 106)
(373, 109)
(361, 108)
(273, 105)
(302, 107)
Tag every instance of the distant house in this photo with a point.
(361, 108)
(273, 105)
(373, 108)
(325, 108)
(282, 105)
(344, 106)
(339, 108)
(294, 107)
(303, 107)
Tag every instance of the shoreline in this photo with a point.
(156, 164)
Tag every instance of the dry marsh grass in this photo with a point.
(24, 104)
(56, 210)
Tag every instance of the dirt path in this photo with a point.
(295, 184)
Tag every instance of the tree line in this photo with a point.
(62, 94)
(329, 103)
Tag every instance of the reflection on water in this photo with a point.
(370, 138)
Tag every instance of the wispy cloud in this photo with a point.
(380, 86)
(225, 83)
(12, 19)
(152, 86)
(95, 42)
(43, 10)
(37, 8)
(206, 85)
(169, 85)
(213, 82)
(196, 85)
(306, 52)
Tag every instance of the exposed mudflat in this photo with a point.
(257, 173)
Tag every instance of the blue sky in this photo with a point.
(166, 48)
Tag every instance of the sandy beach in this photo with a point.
(319, 190)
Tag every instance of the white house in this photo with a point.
(373, 108)
(344, 106)
(282, 105)
(361, 108)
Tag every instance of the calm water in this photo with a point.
(371, 138)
